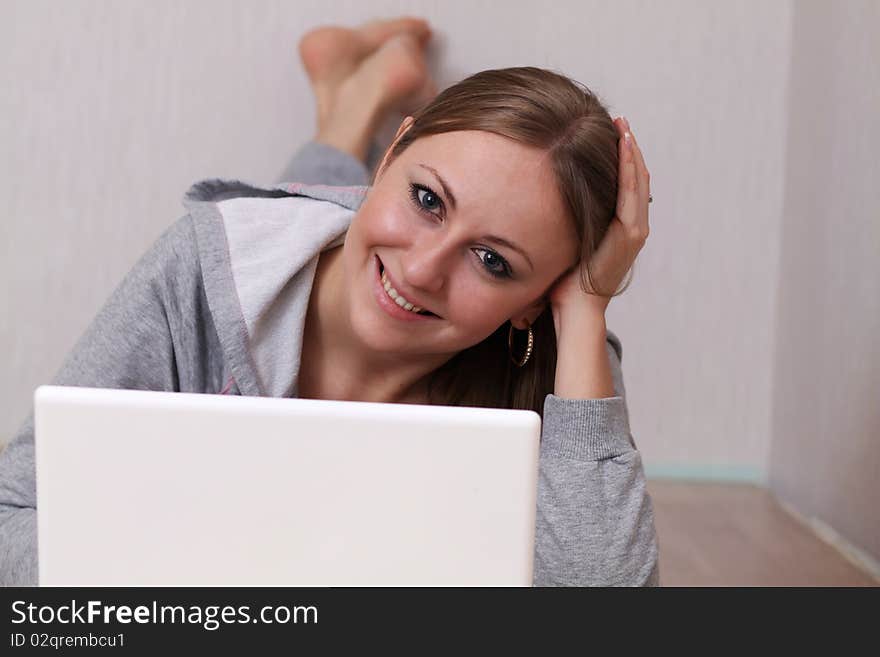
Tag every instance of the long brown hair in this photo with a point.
(546, 110)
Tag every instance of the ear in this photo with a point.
(404, 126)
(527, 316)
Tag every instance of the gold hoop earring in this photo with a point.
(525, 358)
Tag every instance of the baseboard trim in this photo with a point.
(741, 474)
(851, 552)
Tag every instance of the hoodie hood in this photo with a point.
(258, 249)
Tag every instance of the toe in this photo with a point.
(379, 31)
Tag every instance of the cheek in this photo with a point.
(478, 309)
(382, 223)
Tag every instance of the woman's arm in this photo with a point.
(595, 520)
(585, 371)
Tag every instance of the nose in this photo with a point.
(426, 263)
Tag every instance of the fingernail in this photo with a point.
(628, 138)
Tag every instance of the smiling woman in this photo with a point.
(509, 204)
(488, 196)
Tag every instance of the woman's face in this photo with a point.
(476, 249)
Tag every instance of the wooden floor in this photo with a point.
(738, 535)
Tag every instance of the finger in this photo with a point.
(640, 226)
(643, 225)
(628, 191)
(643, 174)
(623, 127)
(640, 162)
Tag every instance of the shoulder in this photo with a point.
(167, 261)
(173, 263)
(215, 190)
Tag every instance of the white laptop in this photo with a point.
(138, 488)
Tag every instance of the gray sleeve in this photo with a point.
(595, 519)
(132, 343)
(321, 164)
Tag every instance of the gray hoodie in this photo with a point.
(217, 305)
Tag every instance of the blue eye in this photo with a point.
(427, 202)
(425, 199)
(494, 263)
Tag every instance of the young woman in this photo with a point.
(475, 270)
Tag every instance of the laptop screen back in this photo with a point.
(158, 488)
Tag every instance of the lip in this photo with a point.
(387, 303)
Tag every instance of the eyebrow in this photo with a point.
(446, 189)
(490, 238)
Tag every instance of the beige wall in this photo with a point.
(825, 458)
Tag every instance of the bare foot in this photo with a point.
(393, 78)
(330, 54)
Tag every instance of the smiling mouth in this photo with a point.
(389, 290)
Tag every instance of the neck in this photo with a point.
(335, 366)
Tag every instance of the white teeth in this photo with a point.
(398, 298)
